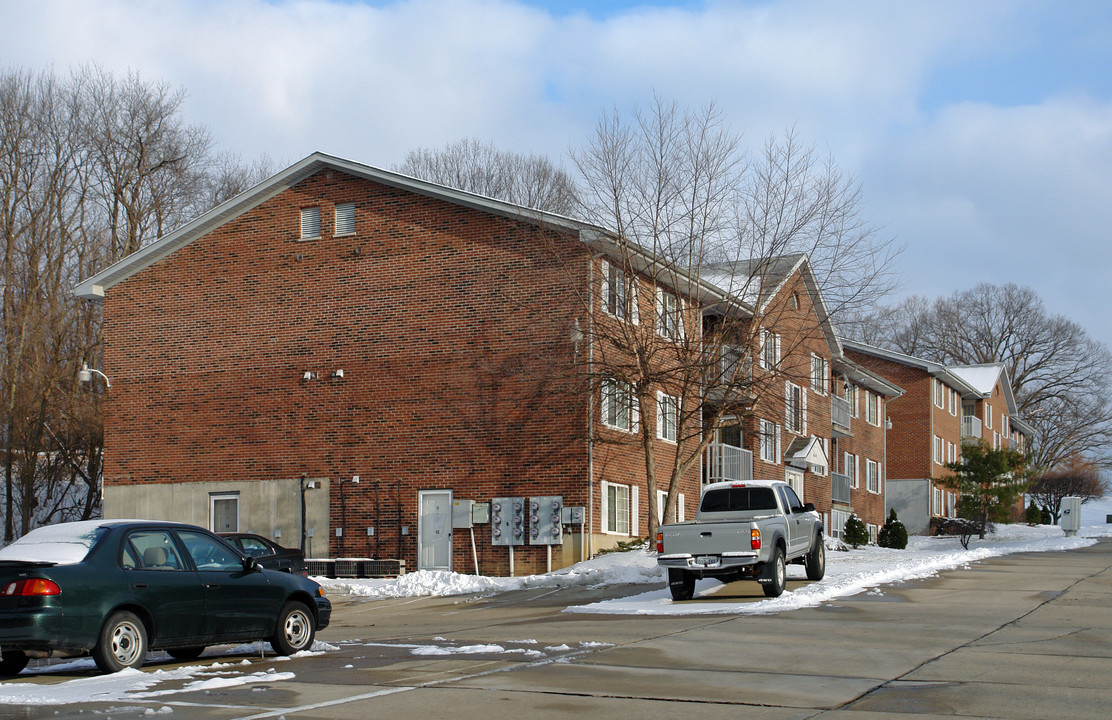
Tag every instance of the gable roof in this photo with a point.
(933, 369)
(984, 378)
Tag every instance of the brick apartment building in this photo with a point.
(338, 356)
(942, 407)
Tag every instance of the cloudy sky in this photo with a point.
(981, 132)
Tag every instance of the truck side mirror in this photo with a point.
(808, 507)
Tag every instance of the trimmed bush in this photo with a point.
(855, 533)
(893, 534)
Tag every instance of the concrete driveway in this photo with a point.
(1021, 636)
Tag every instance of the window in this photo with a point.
(770, 350)
(795, 409)
(669, 315)
(937, 450)
(345, 219)
(208, 554)
(733, 366)
(995, 440)
(818, 374)
(310, 223)
(954, 403)
(849, 467)
(619, 406)
(951, 452)
(838, 522)
(616, 508)
(872, 408)
(662, 501)
(939, 400)
(770, 441)
(619, 293)
(224, 512)
(988, 415)
(872, 476)
(151, 550)
(852, 397)
(936, 502)
(1005, 422)
(873, 532)
(667, 416)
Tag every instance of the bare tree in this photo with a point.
(531, 181)
(1060, 376)
(710, 237)
(1076, 478)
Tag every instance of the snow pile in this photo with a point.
(847, 573)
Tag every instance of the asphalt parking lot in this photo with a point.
(1020, 636)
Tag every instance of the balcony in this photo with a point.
(970, 428)
(840, 416)
(839, 488)
(723, 462)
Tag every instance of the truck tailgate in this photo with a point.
(706, 538)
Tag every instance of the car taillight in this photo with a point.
(755, 538)
(660, 542)
(32, 587)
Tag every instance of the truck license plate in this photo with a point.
(707, 561)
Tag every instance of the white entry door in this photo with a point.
(434, 530)
(794, 477)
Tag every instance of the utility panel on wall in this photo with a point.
(544, 520)
(507, 521)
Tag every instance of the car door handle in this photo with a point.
(212, 585)
(140, 586)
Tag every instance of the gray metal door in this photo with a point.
(434, 530)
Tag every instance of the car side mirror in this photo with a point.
(250, 564)
(808, 507)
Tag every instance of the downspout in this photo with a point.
(591, 404)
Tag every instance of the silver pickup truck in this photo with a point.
(743, 530)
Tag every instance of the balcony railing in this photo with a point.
(727, 462)
(840, 412)
(839, 488)
(970, 427)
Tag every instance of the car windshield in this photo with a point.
(62, 544)
(738, 498)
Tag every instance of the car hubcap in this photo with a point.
(297, 629)
(126, 644)
(781, 572)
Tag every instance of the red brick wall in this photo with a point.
(452, 328)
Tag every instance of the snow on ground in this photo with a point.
(847, 573)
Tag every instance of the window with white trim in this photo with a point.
(619, 293)
(849, 468)
(770, 350)
(818, 374)
(853, 400)
(310, 223)
(669, 315)
(936, 501)
(345, 219)
(872, 476)
(988, 415)
(615, 508)
(770, 441)
(667, 416)
(838, 522)
(619, 406)
(795, 408)
(662, 501)
(937, 450)
(939, 400)
(995, 440)
(873, 533)
(951, 452)
(953, 402)
(872, 408)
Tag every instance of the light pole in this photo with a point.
(343, 512)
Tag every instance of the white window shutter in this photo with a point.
(761, 349)
(605, 285)
(634, 511)
(659, 414)
(787, 404)
(779, 450)
(605, 514)
(777, 337)
(803, 424)
(680, 305)
(634, 306)
(679, 508)
(634, 412)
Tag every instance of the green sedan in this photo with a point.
(119, 588)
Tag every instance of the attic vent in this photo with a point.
(345, 219)
(310, 223)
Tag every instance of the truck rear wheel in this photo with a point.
(681, 583)
(777, 574)
(816, 560)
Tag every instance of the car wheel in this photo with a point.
(186, 653)
(681, 583)
(816, 560)
(122, 643)
(295, 629)
(12, 662)
(777, 575)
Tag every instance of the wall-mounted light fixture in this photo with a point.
(338, 373)
(85, 375)
(308, 375)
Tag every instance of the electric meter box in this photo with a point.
(544, 515)
(574, 515)
(462, 514)
(507, 521)
(1071, 515)
(480, 513)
